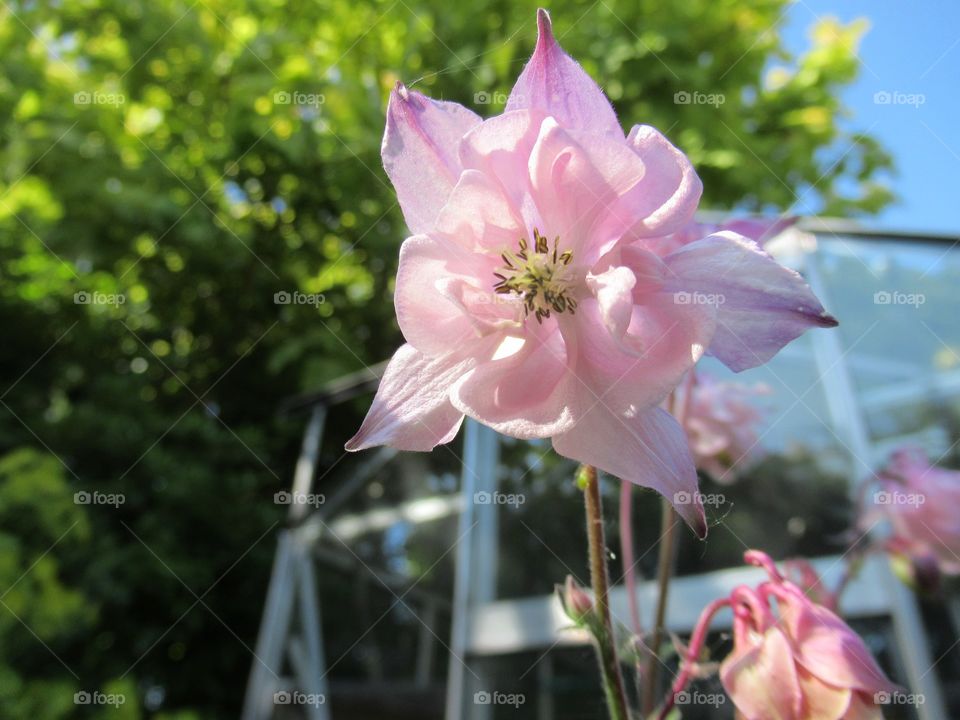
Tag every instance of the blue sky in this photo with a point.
(912, 47)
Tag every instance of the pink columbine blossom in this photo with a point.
(922, 504)
(721, 424)
(527, 298)
(792, 659)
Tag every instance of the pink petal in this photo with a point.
(760, 230)
(444, 295)
(420, 152)
(500, 147)
(479, 216)
(829, 648)
(411, 410)
(614, 292)
(821, 700)
(648, 449)
(527, 390)
(761, 305)
(863, 707)
(762, 679)
(578, 189)
(648, 269)
(638, 369)
(668, 196)
(555, 84)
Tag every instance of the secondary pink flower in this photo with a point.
(527, 298)
(792, 659)
(922, 504)
(798, 662)
(721, 423)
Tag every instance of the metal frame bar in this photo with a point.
(292, 578)
(313, 677)
(267, 665)
(307, 464)
(476, 571)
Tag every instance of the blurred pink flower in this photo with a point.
(799, 661)
(527, 299)
(721, 424)
(922, 504)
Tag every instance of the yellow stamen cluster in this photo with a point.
(539, 276)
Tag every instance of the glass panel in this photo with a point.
(899, 323)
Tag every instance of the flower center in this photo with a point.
(539, 275)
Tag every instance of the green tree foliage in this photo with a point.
(167, 167)
(40, 602)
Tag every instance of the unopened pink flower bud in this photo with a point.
(577, 604)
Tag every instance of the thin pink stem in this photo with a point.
(759, 608)
(854, 562)
(693, 653)
(761, 559)
(783, 591)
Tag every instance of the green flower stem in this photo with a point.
(603, 627)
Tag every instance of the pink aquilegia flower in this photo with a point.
(721, 424)
(527, 297)
(792, 659)
(922, 504)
